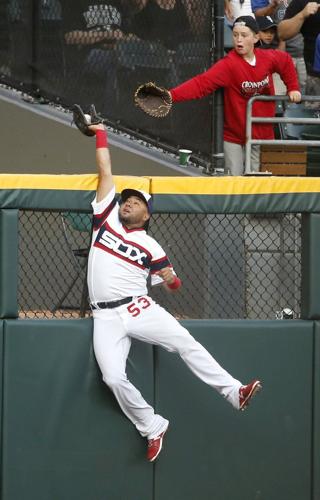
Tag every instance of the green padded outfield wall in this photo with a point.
(1, 386)
(316, 414)
(171, 194)
(213, 452)
(64, 436)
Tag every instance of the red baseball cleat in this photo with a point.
(155, 446)
(246, 392)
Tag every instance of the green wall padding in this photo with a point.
(316, 414)
(269, 203)
(46, 199)
(310, 267)
(8, 263)
(1, 384)
(213, 452)
(65, 438)
(255, 202)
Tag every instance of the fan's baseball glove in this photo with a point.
(153, 100)
(83, 121)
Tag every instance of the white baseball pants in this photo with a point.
(145, 320)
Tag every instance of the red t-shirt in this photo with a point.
(241, 81)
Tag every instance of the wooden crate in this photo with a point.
(283, 160)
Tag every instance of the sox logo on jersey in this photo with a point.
(127, 250)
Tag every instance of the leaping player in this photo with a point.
(122, 255)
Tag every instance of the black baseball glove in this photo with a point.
(154, 100)
(83, 121)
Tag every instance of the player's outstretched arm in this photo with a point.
(103, 161)
(170, 281)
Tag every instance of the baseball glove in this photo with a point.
(83, 121)
(153, 100)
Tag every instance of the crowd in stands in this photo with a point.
(88, 37)
(291, 25)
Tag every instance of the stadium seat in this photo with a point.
(304, 132)
(283, 160)
(296, 130)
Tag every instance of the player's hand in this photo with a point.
(310, 9)
(167, 275)
(294, 96)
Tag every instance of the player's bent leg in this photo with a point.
(156, 326)
(111, 347)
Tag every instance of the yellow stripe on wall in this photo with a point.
(85, 182)
(167, 185)
(234, 185)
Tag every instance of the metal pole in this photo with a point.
(35, 40)
(217, 155)
(248, 137)
(284, 142)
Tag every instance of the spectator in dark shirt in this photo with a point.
(294, 46)
(303, 16)
(269, 40)
(92, 33)
(170, 22)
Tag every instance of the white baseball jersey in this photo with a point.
(120, 259)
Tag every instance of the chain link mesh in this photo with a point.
(53, 247)
(232, 266)
(69, 52)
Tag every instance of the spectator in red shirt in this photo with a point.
(246, 71)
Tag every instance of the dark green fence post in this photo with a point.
(8, 263)
(310, 266)
(310, 309)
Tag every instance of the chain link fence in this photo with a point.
(232, 266)
(83, 52)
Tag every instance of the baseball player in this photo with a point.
(121, 257)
